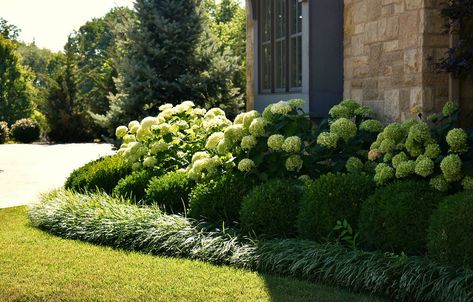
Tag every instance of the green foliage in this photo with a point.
(100, 175)
(133, 186)
(102, 220)
(66, 114)
(15, 84)
(219, 200)
(330, 198)
(8, 31)
(170, 191)
(172, 56)
(4, 132)
(449, 238)
(271, 208)
(25, 130)
(396, 217)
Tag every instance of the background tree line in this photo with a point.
(124, 65)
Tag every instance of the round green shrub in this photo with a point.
(396, 217)
(25, 130)
(171, 191)
(102, 174)
(271, 208)
(4, 132)
(219, 200)
(134, 185)
(330, 198)
(451, 228)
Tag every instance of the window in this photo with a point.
(280, 46)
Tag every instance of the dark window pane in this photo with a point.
(296, 61)
(266, 20)
(280, 75)
(296, 17)
(266, 66)
(281, 18)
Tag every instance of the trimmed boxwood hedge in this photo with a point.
(330, 198)
(134, 185)
(170, 191)
(271, 208)
(102, 174)
(396, 217)
(451, 229)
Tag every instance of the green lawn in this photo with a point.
(35, 266)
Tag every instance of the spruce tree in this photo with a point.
(172, 57)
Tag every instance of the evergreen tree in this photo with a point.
(172, 57)
(16, 88)
(67, 116)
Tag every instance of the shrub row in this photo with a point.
(25, 130)
(103, 220)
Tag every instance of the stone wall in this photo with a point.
(388, 46)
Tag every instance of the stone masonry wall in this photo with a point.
(388, 44)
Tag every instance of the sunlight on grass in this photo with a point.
(35, 266)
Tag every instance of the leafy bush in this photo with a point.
(102, 174)
(103, 220)
(25, 130)
(330, 198)
(271, 208)
(450, 230)
(430, 149)
(4, 132)
(171, 191)
(396, 217)
(134, 185)
(219, 200)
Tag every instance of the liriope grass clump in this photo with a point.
(104, 220)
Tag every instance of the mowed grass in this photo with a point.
(35, 266)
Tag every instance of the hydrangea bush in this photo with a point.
(429, 149)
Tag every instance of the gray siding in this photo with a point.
(326, 55)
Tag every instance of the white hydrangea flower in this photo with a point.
(134, 128)
(128, 138)
(234, 133)
(296, 103)
(200, 155)
(294, 163)
(164, 128)
(239, 118)
(149, 121)
(258, 127)
(214, 112)
(248, 142)
(158, 147)
(133, 124)
(136, 166)
(198, 112)
(213, 140)
(121, 131)
(223, 147)
(167, 113)
(150, 162)
(188, 104)
(281, 108)
(165, 107)
(249, 117)
(246, 165)
(142, 134)
(292, 144)
(275, 142)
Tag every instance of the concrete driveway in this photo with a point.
(27, 170)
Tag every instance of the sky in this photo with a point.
(49, 22)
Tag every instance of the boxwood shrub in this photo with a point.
(271, 208)
(102, 174)
(330, 198)
(219, 200)
(396, 217)
(170, 191)
(25, 130)
(134, 185)
(451, 229)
